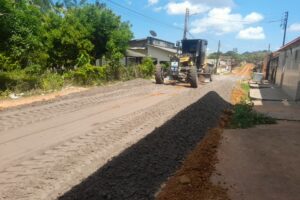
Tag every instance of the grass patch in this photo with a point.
(246, 87)
(243, 116)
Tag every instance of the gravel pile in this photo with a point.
(139, 171)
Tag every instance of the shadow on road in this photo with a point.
(138, 172)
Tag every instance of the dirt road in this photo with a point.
(49, 147)
(245, 71)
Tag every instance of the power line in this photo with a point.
(284, 26)
(145, 16)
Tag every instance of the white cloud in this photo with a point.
(217, 20)
(222, 20)
(152, 2)
(195, 6)
(253, 17)
(215, 3)
(252, 33)
(294, 27)
(174, 8)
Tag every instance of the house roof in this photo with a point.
(165, 48)
(293, 43)
(131, 53)
(135, 48)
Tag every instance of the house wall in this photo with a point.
(288, 73)
(159, 54)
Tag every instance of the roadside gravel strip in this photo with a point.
(127, 155)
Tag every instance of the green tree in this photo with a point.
(21, 33)
(66, 40)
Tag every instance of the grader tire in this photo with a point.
(193, 77)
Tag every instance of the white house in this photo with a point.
(159, 50)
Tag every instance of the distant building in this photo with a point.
(159, 50)
(226, 63)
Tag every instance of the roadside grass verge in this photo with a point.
(34, 81)
(240, 93)
(243, 115)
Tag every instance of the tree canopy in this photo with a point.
(251, 57)
(59, 35)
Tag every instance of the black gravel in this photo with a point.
(138, 172)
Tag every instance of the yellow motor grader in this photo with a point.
(188, 66)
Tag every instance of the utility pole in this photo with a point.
(218, 57)
(284, 25)
(269, 48)
(186, 23)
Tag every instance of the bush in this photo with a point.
(7, 64)
(245, 117)
(147, 67)
(34, 70)
(17, 81)
(165, 66)
(88, 75)
(51, 81)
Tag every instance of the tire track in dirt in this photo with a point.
(16, 119)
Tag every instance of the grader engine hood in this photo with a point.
(184, 59)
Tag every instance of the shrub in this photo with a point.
(165, 66)
(147, 67)
(17, 81)
(244, 117)
(88, 75)
(34, 69)
(51, 81)
(6, 64)
(126, 73)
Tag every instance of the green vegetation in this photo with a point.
(45, 45)
(246, 89)
(147, 67)
(245, 117)
(250, 57)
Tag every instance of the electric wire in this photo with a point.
(145, 16)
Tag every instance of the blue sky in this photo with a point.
(245, 25)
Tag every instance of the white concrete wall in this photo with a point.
(288, 73)
(159, 54)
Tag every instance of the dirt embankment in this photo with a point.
(193, 180)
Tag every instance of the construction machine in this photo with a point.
(188, 65)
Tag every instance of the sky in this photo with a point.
(248, 25)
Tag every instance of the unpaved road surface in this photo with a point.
(116, 142)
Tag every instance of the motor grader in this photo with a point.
(188, 66)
